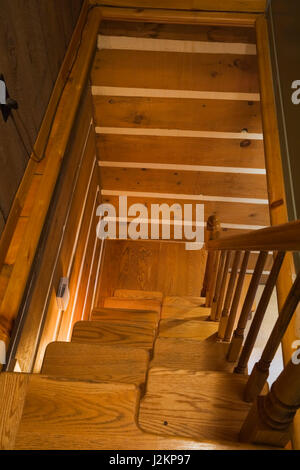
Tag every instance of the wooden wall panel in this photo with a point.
(33, 39)
(178, 150)
(152, 266)
(176, 71)
(176, 113)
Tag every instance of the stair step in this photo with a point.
(191, 329)
(96, 362)
(133, 304)
(184, 307)
(138, 294)
(202, 405)
(169, 312)
(42, 413)
(184, 301)
(100, 332)
(125, 316)
(174, 353)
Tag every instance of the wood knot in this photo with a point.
(277, 203)
(245, 143)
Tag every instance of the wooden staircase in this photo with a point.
(134, 377)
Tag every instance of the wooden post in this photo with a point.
(260, 371)
(259, 315)
(229, 294)
(219, 278)
(238, 336)
(270, 418)
(213, 278)
(236, 298)
(223, 286)
(213, 227)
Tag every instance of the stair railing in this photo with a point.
(270, 418)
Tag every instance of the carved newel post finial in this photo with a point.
(213, 226)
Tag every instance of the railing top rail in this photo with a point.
(285, 237)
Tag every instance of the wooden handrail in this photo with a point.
(284, 237)
(54, 153)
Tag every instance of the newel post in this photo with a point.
(213, 227)
(270, 418)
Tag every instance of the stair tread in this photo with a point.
(125, 315)
(132, 304)
(176, 312)
(96, 362)
(100, 332)
(184, 307)
(203, 405)
(193, 329)
(61, 414)
(174, 353)
(184, 301)
(138, 294)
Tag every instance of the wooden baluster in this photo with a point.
(236, 298)
(219, 278)
(238, 336)
(260, 371)
(229, 294)
(270, 418)
(223, 286)
(213, 228)
(213, 279)
(259, 315)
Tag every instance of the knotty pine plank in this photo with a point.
(176, 113)
(184, 182)
(176, 71)
(181, 150)
(206, 5)
(227, 212)
(178, 31)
